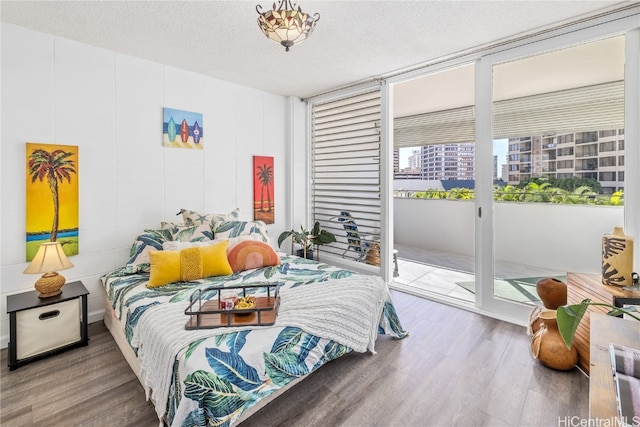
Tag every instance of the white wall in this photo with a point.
(558, 237)
(110, 105)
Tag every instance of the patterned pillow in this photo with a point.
(147, 241)
(188, 233)
(228, 229)
(252, 254)
(193, 217)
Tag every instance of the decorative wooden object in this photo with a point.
(584, 285)
(209, 314)
(602, 396)
(548, 347)
(617, 258)
(552, 292)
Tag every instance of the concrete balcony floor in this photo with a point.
(434, 274)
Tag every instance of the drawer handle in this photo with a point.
(49, 315)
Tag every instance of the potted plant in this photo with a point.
(569, 317)
(307, 239)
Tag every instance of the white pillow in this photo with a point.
(178, 246)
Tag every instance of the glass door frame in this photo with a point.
(484, 219)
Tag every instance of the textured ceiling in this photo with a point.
(353, 41)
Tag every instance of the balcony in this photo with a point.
(435, 241)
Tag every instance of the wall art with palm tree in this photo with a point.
(52, 197)
(263, 190)
(182, 129)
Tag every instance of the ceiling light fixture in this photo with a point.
(286, 25)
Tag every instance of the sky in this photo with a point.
(404, 156)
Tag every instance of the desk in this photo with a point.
(583, 285)
(602, 395)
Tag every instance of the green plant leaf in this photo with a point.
(324, 237)
(619, 311)
(568, 318)
(284, 236)
(316, 228)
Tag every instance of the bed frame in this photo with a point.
(113, 325)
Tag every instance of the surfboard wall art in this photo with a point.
(182, 129)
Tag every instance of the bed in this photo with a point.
(223, 375)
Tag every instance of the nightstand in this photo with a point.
(40, 327)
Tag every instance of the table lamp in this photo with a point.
(49, 258)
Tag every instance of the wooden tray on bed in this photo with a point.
(210, 314)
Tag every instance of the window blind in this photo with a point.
(599, 106)
(439, 127)
(573, 110)
(346, 167)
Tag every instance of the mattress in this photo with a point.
(220, 376)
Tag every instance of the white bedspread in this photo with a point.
(346, 311)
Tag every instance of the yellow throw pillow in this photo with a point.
(188, 264)
(214, 260)
(165, 268)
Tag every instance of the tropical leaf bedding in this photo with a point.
(223, 372)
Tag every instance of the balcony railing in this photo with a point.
(520, 229)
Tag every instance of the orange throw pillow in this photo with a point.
(252, 254)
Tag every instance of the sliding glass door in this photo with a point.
(551, 165)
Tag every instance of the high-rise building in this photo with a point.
(594, 154)
(415, 160)
(505, 170)
(448, 161)
(396, 160)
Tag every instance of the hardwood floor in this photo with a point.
(88, 386)
(455, 368)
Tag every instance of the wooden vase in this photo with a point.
(552, 292)
(535, 323)
(548, 346)
(617, 258)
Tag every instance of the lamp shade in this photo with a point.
(50, 257)
(286, 25)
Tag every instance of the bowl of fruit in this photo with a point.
(245, 303)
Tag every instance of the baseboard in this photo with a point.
(96, 316)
